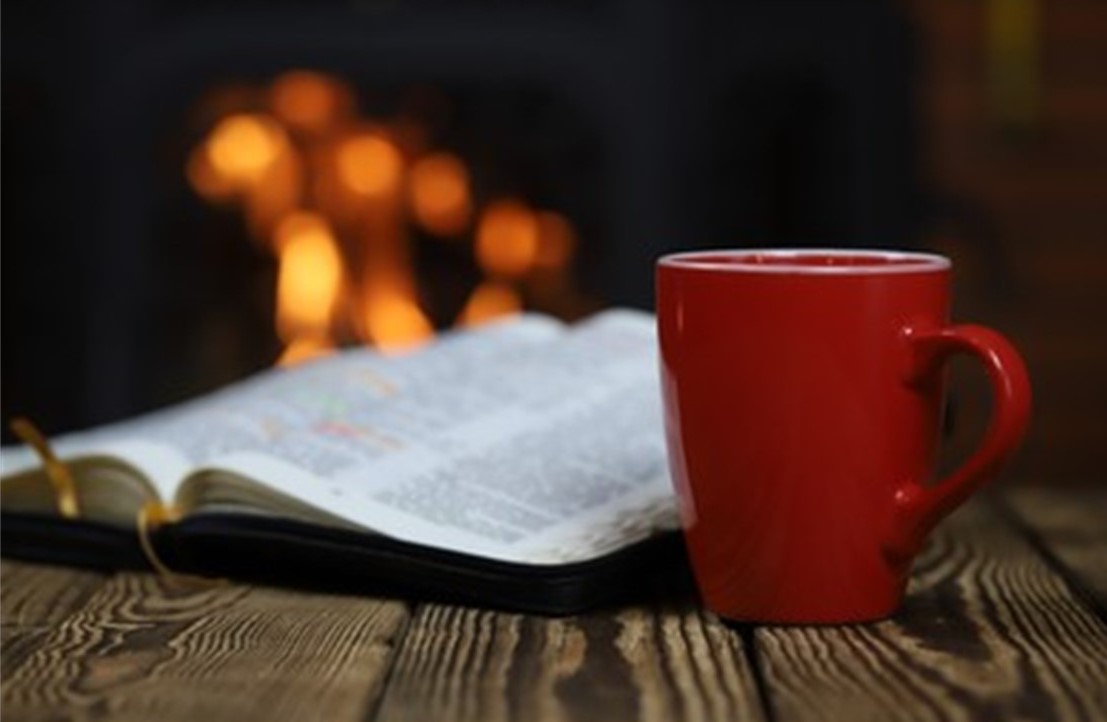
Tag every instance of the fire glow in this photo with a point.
(337, 198)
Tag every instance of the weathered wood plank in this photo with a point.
(145, 648)
(33, 598)
(1072, 525)
(634, 664)
(989, 631)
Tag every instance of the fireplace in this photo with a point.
(200, 190)
(387, 224)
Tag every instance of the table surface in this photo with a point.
(1006, 618)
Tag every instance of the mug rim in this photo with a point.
(729, 260)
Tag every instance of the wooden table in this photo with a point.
(1006, 619)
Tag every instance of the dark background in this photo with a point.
(972, 128)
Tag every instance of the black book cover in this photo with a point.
(280, 552)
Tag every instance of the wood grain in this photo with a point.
(988, 631)
(34, 598)
(143, 648)
(633, 664)
(1072, 526)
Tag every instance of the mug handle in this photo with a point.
(919, 508)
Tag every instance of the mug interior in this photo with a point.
(807, 261)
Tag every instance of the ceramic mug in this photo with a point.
(803, 392)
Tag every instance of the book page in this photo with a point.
(307, 416)
(160, 466)
(552, 454)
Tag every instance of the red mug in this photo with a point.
(803, 391)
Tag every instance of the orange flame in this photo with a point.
(304, 349)
(557, 240)
(243, 146)
(276, 194)
(489, 301)
(439, 194)
(394, 322)
(507, 238)
(345, 268)
(370, 165)
(208, 183)
(309, 279)
(309, 101)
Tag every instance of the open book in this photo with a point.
(522, 451)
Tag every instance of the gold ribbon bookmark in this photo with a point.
(61, 478)
(152, 516)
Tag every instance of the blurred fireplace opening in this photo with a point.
(647, 126)
(388, 213)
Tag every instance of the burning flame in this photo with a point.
(276, 194)
(309, 278)
(394, 322)
(208, 183)
(556, 241)
(370, 165)
(242, 147)
(308, 101)
(304, 349)
(507, 239)
(439, 194)
(337, 198)
(490, 300)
